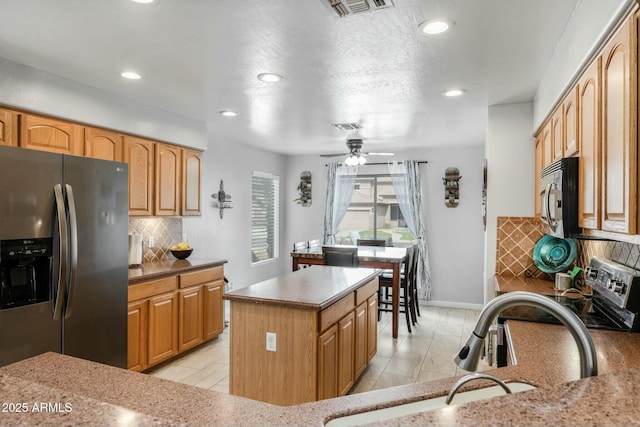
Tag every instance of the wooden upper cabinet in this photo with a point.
(168, 166)
(589, 164)
(103, 144)
(8, 128)
(547, 147)
(46, 134)
(191, 185)
(619, 143)
(538, 170)
(138, 153)
(557, 133)
(570, 140)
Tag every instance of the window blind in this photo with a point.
(264, 216)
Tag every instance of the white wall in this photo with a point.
(589, 23)
(33, 90)
(454, 235)
(510, 153)
(230, 237)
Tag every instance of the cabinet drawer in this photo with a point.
(364, 292)
(155, 287)
(335, 312)
(202, 276)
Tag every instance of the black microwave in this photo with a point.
(559, 197)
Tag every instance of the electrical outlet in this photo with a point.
(152, 242)
(271, 341)
(184, 237)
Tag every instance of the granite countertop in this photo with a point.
(547, 357)
(314, 288)
(157, 269)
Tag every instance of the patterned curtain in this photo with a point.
(408, 188)
(340, 183)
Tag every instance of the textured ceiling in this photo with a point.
(198, 57)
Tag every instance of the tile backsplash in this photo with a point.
(517, 237)
(166, 232)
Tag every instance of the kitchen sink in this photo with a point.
(425, 405)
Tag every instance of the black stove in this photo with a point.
(614, 303)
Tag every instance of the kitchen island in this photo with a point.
(304, 336)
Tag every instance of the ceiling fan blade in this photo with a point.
(334, 155)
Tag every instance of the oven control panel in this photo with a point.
(616, 282)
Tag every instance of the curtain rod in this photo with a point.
(420, 162)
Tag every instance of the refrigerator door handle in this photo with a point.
(73, 233)
(64, 254)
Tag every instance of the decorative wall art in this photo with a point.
(304, 189)
(451, 183)
(224, 199)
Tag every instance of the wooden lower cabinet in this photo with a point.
(319, 353)
(170, 315)
(191, 317)
(163, 327)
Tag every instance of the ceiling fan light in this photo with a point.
(361, 160)
(352, 160)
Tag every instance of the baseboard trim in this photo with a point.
(452, 304)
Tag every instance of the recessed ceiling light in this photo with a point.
(453, 92)
(143, 1)
(228, 113)
(269, 77)
(435, 26)
(130, 75)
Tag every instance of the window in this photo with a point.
(264, 217)
(374, 213)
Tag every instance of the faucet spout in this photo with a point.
(469, 356)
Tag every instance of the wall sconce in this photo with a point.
(224, 199)
(451, 183)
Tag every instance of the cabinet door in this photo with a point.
(102, 144)
(571, 137)
(538, 169)
(557, 132)
(8, 128)
(213, 309)
(163, 327)
(372, 327)
(589, 131)
(346, 341)
(56, 136)
(619, 144)
(547, 147)
(137, 322)
(191, 174)
(360, 356)
(328, 364)
(138, 153)
(168, 166)
(191, 319)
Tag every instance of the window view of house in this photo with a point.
(264, 216)
(374, 214)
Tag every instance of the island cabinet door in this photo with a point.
(361, 339)
(191, 318)
(346, 348)
(328, 364)
(372, 326)
(163, 327)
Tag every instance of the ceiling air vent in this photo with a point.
(348, 126)
(350, 7)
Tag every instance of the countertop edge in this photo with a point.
(165, 268)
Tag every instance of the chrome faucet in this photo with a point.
(469, 356)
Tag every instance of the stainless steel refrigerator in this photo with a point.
(63, 256)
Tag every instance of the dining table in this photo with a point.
(387, 258)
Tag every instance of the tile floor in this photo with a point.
(423, 355)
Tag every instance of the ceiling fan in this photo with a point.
(355, 154)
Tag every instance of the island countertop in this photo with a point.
(314, 288)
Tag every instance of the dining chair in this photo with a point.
(343, 257)
(371, 242)
(406, 297)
